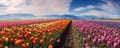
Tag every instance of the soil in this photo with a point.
(68, 39)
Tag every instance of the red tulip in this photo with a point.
(50, 33)
(41, 42)
(24, 46)
(0, 41)
(44, 37)
(22, 41)
(17, 42)
(50, 46)
(25, 36)
(27, 44)
(35, 39)
(51, 40)
(20, 36)
(31, 39)
(28, 33)
(1, 46)
(11, 40)
(84, 40)
(34, 42)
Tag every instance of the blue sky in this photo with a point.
(100, 8)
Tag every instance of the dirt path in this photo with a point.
(68, 39)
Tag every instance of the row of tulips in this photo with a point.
(93, 35)
(38, 35)
(2, 24)
(108, 23)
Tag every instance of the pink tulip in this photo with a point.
(84, 40)
(94, 41)
(99, 41)
(108, 43)
(115, 45)
(86, 44)
(89, 37)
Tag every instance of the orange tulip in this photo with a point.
(24, 46)
(27, 44)
(51, 40)
(0, 45)
(50, 46)
(28, 33)
(31, 39)
(44, 37)
(50, 33)
(17, 42)
(34, 42)
(41, 42)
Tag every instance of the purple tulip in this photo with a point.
(108, 43)
(89, 37)
(94, 41)
(84, 40)
(99, 41)
(87, 47)
(115, 45)
(99, 32)
(86, 44)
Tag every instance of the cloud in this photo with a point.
(110, 6)
(80, 9)
(100, 14)
(84, 8)
(109, 9)
(36, 7)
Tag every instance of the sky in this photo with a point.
(99, 8)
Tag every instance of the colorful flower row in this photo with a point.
(93, 35)
(108, 23)
(38, 35)
(2, 24)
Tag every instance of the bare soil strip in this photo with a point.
(68, 39)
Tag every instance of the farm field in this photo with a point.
(59, 34)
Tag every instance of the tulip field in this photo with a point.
(59, 34)
(96, 34)
(28, 35)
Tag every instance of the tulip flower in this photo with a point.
(89, 37)
(0, 41)
(17, 42)
(44, 37)
(51, 40)
(58, 41)
(1, 46)
(34, 42)
(94, 41)
(115, 45)
(50, 46)
(41, 42)
(24, 46)
(108, 43)
(99, 33)
(27, 44)
(86, 44)
(84, 40)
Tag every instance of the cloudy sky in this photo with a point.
(104, 8)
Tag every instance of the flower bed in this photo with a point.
(44, 35)
(93, 35)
